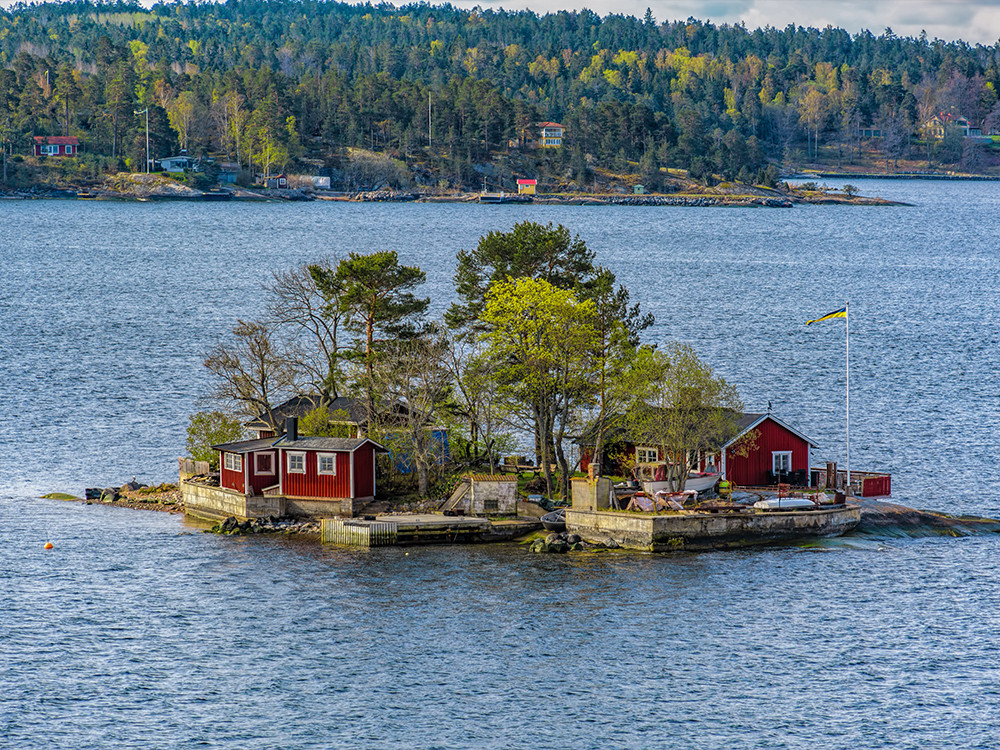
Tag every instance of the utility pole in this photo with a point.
(146, 112)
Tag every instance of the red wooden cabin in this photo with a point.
(56, 145)
(323, 468)
(778, 452)
(775, 453)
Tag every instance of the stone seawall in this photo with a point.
(217, 503)
(699, 531)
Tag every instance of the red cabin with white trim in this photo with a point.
(322, 468)
(56, 145)
(772, 452)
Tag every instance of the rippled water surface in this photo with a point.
(137, 630)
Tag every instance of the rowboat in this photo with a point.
(555, 521)
(653, 478)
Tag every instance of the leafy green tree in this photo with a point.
(208, 428)
(680, 405)
(529, 250)
(321, 422)
(67, 93)
(541, 341)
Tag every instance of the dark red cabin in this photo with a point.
(56, 145)
(325, 468)
(774, 452)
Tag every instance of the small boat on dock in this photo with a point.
(555, 521)
(654, 478)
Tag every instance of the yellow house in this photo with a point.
(550, 134)
(526, 187)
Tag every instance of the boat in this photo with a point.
(555, 521)
(653, 478)
(785, 503)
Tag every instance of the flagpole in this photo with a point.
(847, 360)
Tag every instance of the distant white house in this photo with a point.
(176, 163)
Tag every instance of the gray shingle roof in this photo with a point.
(327, 444)
(299, 406)
(245, 446)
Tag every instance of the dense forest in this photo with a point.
(442, 96)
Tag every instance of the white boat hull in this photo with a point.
(697, 483)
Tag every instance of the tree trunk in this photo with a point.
(421, 476)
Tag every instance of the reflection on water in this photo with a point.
(138, 630)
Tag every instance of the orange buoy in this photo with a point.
(48, 545)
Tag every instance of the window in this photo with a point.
(326, 463)
(646, 455)
(69, 150)
(296, 463)
(264, 463)
(234, 462)
(781, 462)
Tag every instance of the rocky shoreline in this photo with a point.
(143, 187)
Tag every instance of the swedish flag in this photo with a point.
(841, 313)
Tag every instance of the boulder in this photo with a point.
(229, 525)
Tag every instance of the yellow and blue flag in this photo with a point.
(841, 313)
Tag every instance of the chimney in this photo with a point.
(291, 429)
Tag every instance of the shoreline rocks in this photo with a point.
(562, 542)
(270, 525)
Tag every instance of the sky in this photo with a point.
(975, 22)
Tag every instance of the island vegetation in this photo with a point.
(440, 98)
(540, 344)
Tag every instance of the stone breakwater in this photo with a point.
(270, 525)
(563, 542)
(697, 201)
(384, 196)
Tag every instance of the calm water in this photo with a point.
(139, 631)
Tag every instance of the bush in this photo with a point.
(208, 428)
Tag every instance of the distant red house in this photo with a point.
(316, 468)
(774, 451)
(56, 145)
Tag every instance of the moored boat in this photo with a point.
(555, 521)
(654, 478)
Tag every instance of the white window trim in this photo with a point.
(256, 464)
(289, 455)
(775, 455)
(645, 451)
(319, 464)
(234, 462)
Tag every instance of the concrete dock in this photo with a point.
(421, 528)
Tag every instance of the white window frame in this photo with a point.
(320, 457)
(643, 452)
(233, 461)
(68, 149)
(289, 455)
(775, 456)
(256, 464)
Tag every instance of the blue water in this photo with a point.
(137, 630)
